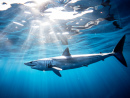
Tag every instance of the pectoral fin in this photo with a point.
(56, 70)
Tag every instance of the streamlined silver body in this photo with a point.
(68, 61)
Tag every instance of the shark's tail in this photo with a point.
(118, 51)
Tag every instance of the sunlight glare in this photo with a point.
(51, 33)
(18, 23)
(45, 23)
(58, 33)
(4, 7)
(74, 1)
(30, 4)
(26, 12)
(65, 15)
(41, 1)
(65, 33)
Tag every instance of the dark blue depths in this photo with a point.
(103, 79)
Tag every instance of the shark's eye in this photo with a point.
(31, 62)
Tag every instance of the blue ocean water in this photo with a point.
(23, 40)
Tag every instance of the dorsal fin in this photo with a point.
(66, 52)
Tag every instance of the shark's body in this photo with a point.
(68, 61)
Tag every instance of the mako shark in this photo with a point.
(68, 61)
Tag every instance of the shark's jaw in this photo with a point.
(32, 66)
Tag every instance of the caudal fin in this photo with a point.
(118, 51)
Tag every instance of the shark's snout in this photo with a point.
(25, 63)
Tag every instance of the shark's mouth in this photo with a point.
(32, 66)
